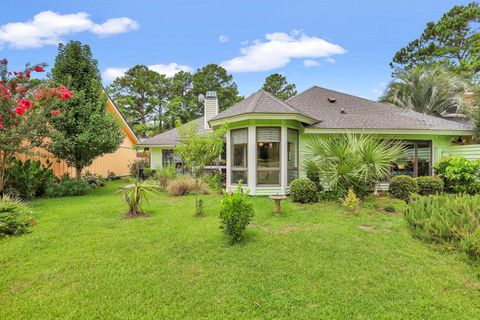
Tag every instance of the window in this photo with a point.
(292, 154)
(239, 151)
(416, 161)
(168, 157)
(268, 156)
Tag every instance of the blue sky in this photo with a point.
(342, 45)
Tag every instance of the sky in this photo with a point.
(340, 45)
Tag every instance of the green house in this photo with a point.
(267, 137)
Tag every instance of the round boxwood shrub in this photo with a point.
(429, 185)
(303, 190)
(402, 186)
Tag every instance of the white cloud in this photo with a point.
(48, 27)
(110, 74)
(311, 63)
(330, 60)
(278, 50)
(223, 38)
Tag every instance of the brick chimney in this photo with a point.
(210, 107)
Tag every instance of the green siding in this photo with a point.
(469, 152)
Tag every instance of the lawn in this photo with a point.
(84, 261)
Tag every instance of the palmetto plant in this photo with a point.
(430, 90)
(352, 161)
(135, 193)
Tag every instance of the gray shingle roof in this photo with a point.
(170, 137)
(362, 113)
(259, 102)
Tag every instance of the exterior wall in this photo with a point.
(117, 162)
(469, 152)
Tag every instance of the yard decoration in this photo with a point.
(26, 107)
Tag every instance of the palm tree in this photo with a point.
(135, 193)
(352, 161)
(430, 90)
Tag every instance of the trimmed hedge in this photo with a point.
(429, 185)
(402, 186)
(303, 190)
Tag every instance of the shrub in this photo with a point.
(165, 174)
(137, 169)
(112, 176)
(67, 187)
(458, 174)
(447, 219)
(235, 214)
(215, 181)
(351, 201)
(315, 178)
(185, 184)
(28, 179)
(303, 190)
(389, 208)
(402, 186)
(429, 185)
(331, 195)
(14, 217)
(135, 193)
(94, 180)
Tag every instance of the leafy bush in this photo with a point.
(429, 185)
(330, 195)
(315, 178)
(14, 217)
(402, 186)
(112, 176)
(28, 179)
(389, 208)
(138, 169)
(67, 187)
(447, 219)
(135, 193)
(164, 175)
(351, 201)
(215, 181)
(93, 179)
(459, 174)
(303, 190)
(185, 184)
(235, 214)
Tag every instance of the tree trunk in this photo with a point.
(196, 197)
(78, 172)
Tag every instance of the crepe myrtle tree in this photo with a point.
(26, 108)
(198, 150)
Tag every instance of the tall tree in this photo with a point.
(182, 104)
(278, 85)
(213, 77)
(84, 131)
(141, 94)
(454, 39)
(431, 90)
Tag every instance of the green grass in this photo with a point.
(84, 261)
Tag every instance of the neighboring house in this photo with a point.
(267, 137)
(117, 162)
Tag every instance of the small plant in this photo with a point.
(429, 185)
(164, 175)
(185, 184)
(389, 208)
(402, 186)
(28, 179)
(315, 178)
(137, 169)
(14, 217)
(235, 214)
(453, 220)
(331, 195)
(67, 186)
(459, 174)
(135, 194)
(351, 201)
(112, 176)
(214, 180)
(93, 179)
(201, 209)
(303, 190)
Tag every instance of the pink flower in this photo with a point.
(4, 92)
(1, 122)
(27, 74)
(65, 93)
(19, 110)
(38, 69)
(24, 103)
(55, 112)
(21, 90)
